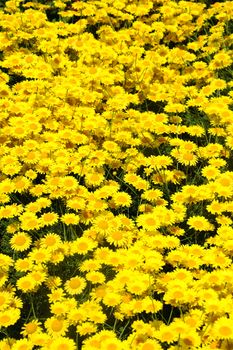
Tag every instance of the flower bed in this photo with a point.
(116, 176)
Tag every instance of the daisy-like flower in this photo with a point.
(94, 179)
(148, 221)
(6, 344)
(95, 277)
(25, 344)
(69, 183)
(39, 276)
(59, 308)
(76, 203)
(8, 211)
(39, 338)
(187, 158)
(111, 343)
(51, 241)
(48, 219)
(104, 223)
(20, 241)
(5, 299)
(9, 317)
(77, 315)
(210, 172)
(166, 334)
(75, 285)
(122, 199)
(191, 339)
(56, 294)
(63, 343)
(90, 265)
(40, 255)
(82, 245)
(70, 219)
(31, 327)
(31, 222)
(112, 298)
(56, 326)
(86, 328)
(138, 283)
(200, 223)
(26, 284)
(223, 328)
(150, 344)
(118, 237)
(152, 195)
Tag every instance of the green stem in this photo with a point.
(122, 332)
(32, 307)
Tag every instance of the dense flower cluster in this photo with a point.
(116, 177)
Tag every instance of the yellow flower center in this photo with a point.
(75, 283)
(225, 331)
(57, 325)
(20, 240)
(30, 328)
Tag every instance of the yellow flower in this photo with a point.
(190, 339)
(148, 221)
(70, 219)
(94, 179)
(223, 328)
(59, 308)
(9, 317)
(7, 186)
(39, 338)
(20, 241)
(122, 199)
(5, 262)
(29, 221)
(104, 223)
(177, 293)
(69, 183)
(187, 158)
(56, 294)
(5, 299)
(112, 299)
(9, 211)
(111, 344)
(149, 344)
(31, 327)
(40, 255)
(26, 284)
(90, 265)
(77, 315)
(6, 344)
(210, 172)
(50, 241)
(62, 343)
(82, 245)
(111, 146)
(95, 277)
(56, 326)
(75, 285)
(216, 207)
(152, 195)
(167, 334)
(48, 219)
(25, 344)
(199, 223)
(220, 60)
(23, 265)
(39, 276)
(76, 203)
(86, 328)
